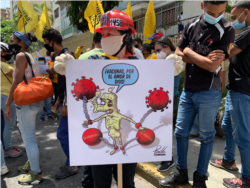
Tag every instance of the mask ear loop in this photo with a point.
(125, 42)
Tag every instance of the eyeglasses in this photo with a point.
(158, 50)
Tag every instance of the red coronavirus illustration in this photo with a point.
(84, 88)
(158, 99)
(92, 137)
(145, 137)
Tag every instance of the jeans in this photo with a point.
(63, 135)
(9, 125)
(103, 175)
(205, 105)
(236, 127)
(2, 155)
(48, 108)
(195, 128)
(28, 116)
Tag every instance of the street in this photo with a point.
(52, 157)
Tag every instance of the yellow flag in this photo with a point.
(150, 22)
(43, 23)
(27, 17)
(93, 14)
(129, 10)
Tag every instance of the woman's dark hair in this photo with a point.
(29, 35)
(214, 2)
(48, 53)
(129, 46)
(165, 41)
(138, 40)
(97, 38)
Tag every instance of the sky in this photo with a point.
(5, 4)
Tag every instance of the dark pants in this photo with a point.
(103, 175)
(55, 90)
(87, 179)
(2, 126)
(63, 135)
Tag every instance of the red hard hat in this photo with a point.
(116, 19)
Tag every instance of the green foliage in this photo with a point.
(75, 12)
(7, 29)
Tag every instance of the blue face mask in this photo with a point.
(237, 25)
(11, 60)
(212, 20)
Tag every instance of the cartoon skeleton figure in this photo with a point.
(112, 117)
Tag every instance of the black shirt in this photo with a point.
(239, 69)
(203, 38)
(62, 92)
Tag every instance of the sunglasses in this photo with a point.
(158, 50)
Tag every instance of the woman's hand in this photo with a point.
(7, 112)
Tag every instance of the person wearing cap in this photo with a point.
(154, 38)
(27, 115)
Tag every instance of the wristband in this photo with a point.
(89, 122)
(138, 125)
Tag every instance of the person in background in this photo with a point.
(53, 76)
(153, 39)
(236, 121)
(203, 46)
(38, 53)
(137, 43)
(146, 50)
(41, 60)
(163, 49)
(78, 51)
(6, 82)
(47, 58)
(98, 47)
(27, 115)
(180, 23)
(53, 43)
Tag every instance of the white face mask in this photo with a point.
(111, 45)
(161, 55)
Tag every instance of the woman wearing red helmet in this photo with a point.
(116, 29)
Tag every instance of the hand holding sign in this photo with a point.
(120, 75)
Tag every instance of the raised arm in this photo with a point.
(90, 122)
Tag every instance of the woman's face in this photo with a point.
(14, 40)
(110, 32)
(166, 50)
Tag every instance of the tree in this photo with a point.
(75, 12)
(39, 9)
(7, 29)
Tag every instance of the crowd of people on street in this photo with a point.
(206, 41)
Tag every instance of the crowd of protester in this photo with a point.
(203, 46)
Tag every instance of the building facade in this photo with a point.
(5, 13)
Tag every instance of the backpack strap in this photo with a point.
(28, 60)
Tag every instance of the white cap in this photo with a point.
(3, 45)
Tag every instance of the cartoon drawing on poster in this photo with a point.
(102, 107)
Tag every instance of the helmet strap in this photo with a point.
(125, 42)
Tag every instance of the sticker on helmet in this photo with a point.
(116, 22)
(104, 20)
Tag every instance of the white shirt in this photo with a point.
(181, 17)
(138, 53)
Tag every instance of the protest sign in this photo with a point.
(119, 111)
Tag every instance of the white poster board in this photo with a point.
(132, 91)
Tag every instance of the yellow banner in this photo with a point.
(129, 10)
(27, 17)
(93, 14)
(43, 23)
(150, 22)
